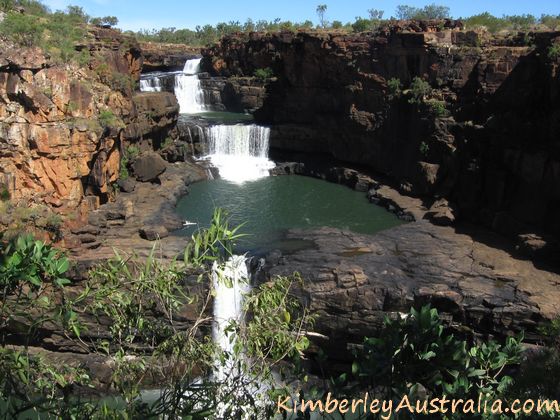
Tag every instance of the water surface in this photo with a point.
(272, 205)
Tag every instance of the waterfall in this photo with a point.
(188, 89)
(239, 151)
(231, 282)
(150, 84)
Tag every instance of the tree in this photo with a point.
(406, 12)
(337, 24)
(110, 20)
(360, 24)
(431, 11)
(78, 13)
(375, 17)
(375, 14)
(321, 9)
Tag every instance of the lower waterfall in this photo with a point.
(231, 282)
(240, 151)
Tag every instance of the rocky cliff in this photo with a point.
(166, 57)
(483, 133)
(63, 127)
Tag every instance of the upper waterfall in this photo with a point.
(239, 151)
(150, 84)
(188, 89)
(185, 84)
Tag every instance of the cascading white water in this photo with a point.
(150, 84)
(188, 89)
(240, 151)
(231, 282)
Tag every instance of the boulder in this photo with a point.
(148, 166)
(441, 213)
(126, 185)
(153, 233)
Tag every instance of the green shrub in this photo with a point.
(123, 168)
(416, 352)
(121, 82)
(424, 148)
(551, 21)
(123, 288)
(4, 193)
(27, 262)
(25, 30)
(419, 90)
(132, 151)
(167, 143)
(337, 24)
(361, 25)
(394, 88)
(213, 243)
(264, 73)
(273, 310)
(554, 52)
(438, 108)
(33, 7)
(109, 120)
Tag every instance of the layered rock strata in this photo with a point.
(483, 134)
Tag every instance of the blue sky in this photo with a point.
(144, 14)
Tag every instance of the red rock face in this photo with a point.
(495, 145)
(55, 145)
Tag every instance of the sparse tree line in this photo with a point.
(208, 34)
(30, 22)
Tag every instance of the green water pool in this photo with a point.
(270, 206)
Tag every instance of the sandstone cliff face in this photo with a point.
(166, 57)
(493, 148)
(62, 127)
(156, 115)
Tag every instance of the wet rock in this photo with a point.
(288, 168)
(148, 167)
(153, 233)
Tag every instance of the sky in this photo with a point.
(149, 14)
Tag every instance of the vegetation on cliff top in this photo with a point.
(30, 23)
(208, 34)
